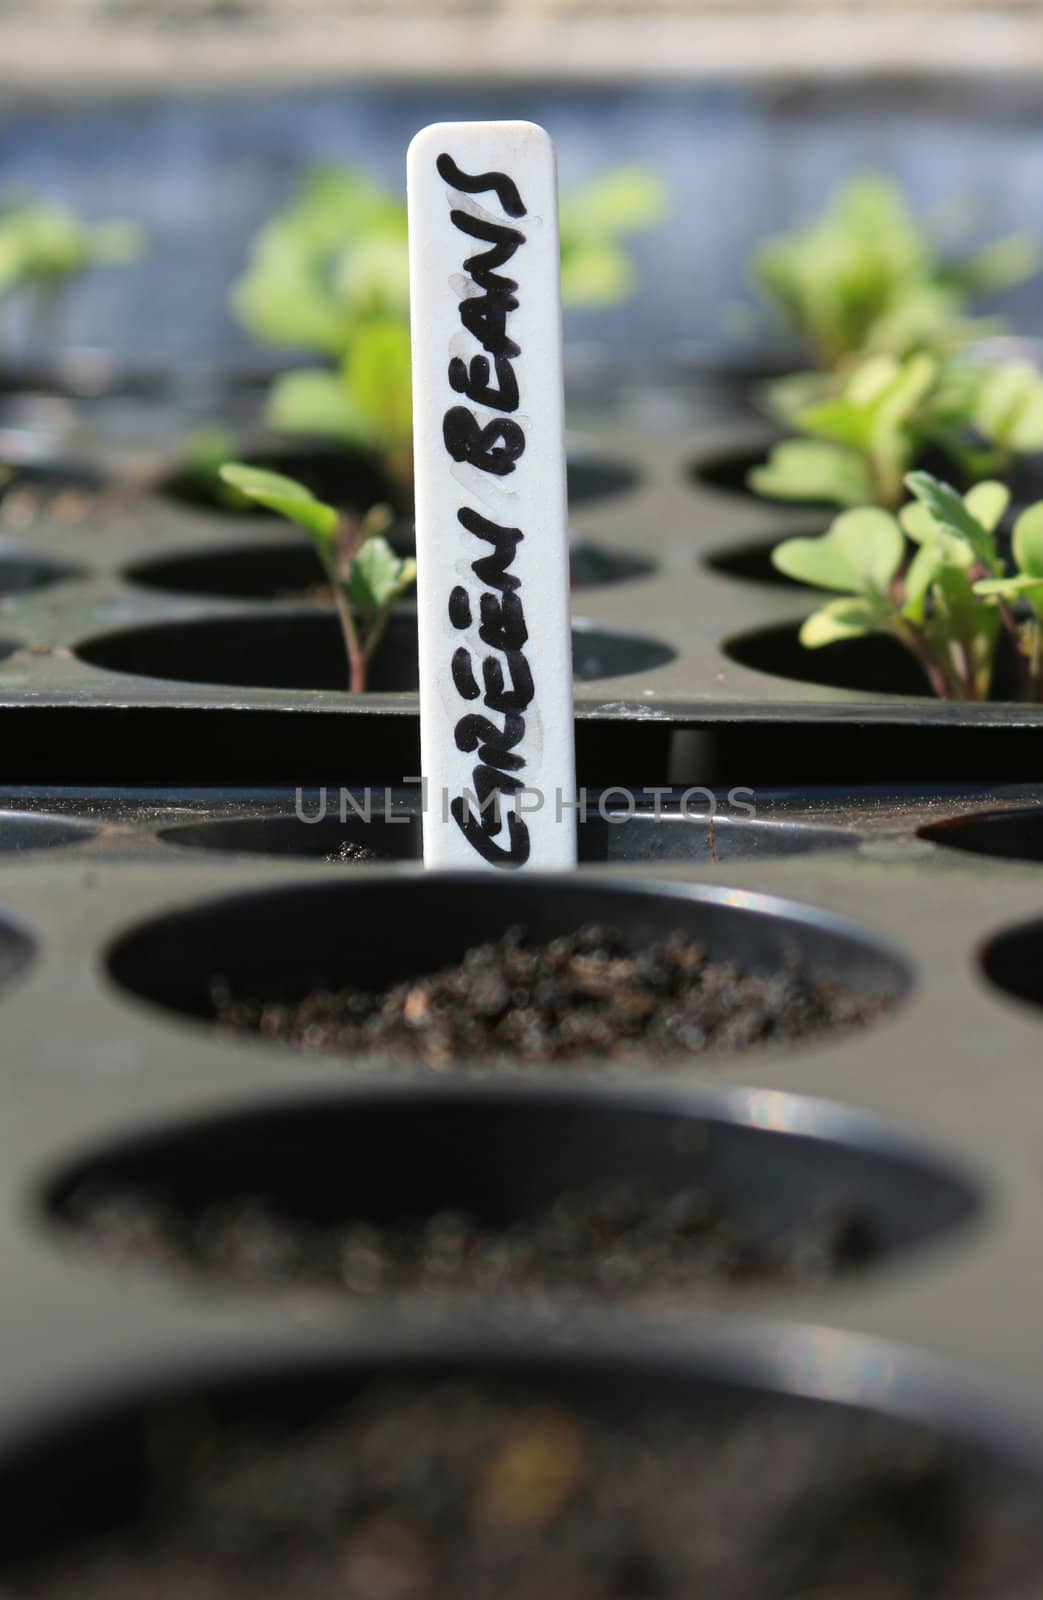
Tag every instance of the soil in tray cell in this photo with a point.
(620, 1242)
(579, 995)
(455, 1491)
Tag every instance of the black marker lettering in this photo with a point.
(494, 448)
(460, 607)
(505, 189)
(507, 688)
(464, 679)
(473, 381)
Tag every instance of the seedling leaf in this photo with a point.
(810, 469)
(860, 554)
(841, 619)
(284, 495)
(1028, 541)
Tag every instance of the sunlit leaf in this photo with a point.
(860, 553)
(283, 495)
(841, 619)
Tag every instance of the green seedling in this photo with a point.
(869, 276)
(859, 443)
(1022, 591)
(859, 439)
(595, 222)
(365, 574)
(934, 579)
(330, 274)
(198, 470)
(43, 248)
(367, 402)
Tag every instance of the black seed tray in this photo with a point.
(151, 835)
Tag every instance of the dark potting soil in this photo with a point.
(455, 1492)
(620, 1242)
(582, 995)
(354, 854)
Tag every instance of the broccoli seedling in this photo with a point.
(948, 602)
(860, 442)
(330, 273)
(43, 248)
(863, 435)
(367, 402)
(365, 574)
(868, 276)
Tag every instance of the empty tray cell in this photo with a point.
(1015, 835)
(62, 492)
(875, 664)
(351, 478)
(343, 476)
(38, 830)
(305, 650)
(384, 833)
(751, 562)
(1014, 962)
(292, 571)
(23, 570)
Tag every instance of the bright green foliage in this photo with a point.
(366, 575)
(42, 246)
(866, 275)
(950, 602)
(330, 273)
(367, 401)
(866, 429)
(334, 257)
(596, 268)
(862, 440)
(1023, 589)
(198, 470)
(286, 496)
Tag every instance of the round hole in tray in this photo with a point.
(1015, 835)
(304, 650)
(352, 478)
(17, 948)
(384, 834)
(335, 473)
(1026, 479)
(291, 570)
(513, 1468)
(38, 830)
(592, 477)
(57, 492)
(1013, 960)
(595, 566)
(728, 1193)
(49, 479)
(728, 472)
(751, 563)
(22, 571)
(282, 947)
(877, 665)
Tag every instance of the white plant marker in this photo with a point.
(496, 735)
